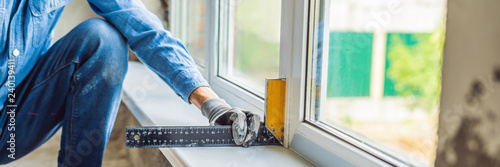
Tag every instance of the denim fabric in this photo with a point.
(76, 83)
(28, 27)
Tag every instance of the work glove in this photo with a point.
(245, 125)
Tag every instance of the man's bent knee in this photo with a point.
(104, 33)
(108, 47)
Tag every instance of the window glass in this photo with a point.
(191, 24)
(249, 40)
(375, 74)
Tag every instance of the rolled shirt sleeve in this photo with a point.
(154, 45)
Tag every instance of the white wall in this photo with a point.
(78, 11)
(386, 15)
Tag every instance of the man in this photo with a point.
(76, 83)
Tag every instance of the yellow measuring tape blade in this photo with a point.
(275, 107)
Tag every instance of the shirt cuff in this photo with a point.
(187, 81)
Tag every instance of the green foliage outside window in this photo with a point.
(415, 69)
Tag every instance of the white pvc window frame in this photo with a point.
(295, 46)
(234, 94)
(178, 21)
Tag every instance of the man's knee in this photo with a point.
(109, 48)
(103, 32)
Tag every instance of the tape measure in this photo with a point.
(190, 136)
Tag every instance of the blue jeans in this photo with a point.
(76, 85)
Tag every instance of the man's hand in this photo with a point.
(245, 125)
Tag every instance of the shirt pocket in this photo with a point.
(44, 17)
(2, 24)
(41, 7)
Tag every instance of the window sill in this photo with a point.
(325, 149)
(153, 103)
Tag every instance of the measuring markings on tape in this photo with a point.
(190, 136)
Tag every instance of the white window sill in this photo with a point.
(152, 102)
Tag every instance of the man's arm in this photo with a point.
(200, 95)
(154, 45)
(170, 60)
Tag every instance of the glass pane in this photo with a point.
(193, 21)
(378, 76)
(252, 33)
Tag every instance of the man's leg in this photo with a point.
(77, 84)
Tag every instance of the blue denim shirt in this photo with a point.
(26, 31)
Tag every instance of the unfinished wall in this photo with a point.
(469, 122)
(117, 155)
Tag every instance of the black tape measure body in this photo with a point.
(190, 136)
